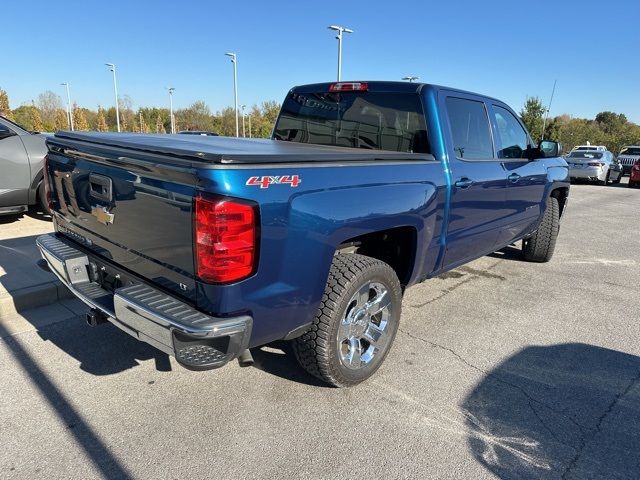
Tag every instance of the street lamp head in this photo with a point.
(338, 28)
(410, 78)
(64, 84)
(111, 66)
(231, 55)
(171, 90)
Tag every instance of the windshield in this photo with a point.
(630, 151)
(588, 155)
(379, 121)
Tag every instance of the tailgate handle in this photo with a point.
(100, 187)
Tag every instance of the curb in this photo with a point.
(31, 297)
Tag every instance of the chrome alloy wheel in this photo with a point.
(363, 332)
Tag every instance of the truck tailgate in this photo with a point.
(134, 212)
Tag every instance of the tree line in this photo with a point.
(611, 129)
(47, 113)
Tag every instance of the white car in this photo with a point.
(592, 165)
(628, 157)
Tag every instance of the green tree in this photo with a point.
(196, 116)
(532, 115)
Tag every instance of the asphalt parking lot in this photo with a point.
(501, 369)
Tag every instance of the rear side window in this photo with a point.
(512, 138)
(377, 121)
(470, 129)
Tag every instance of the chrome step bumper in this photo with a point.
(197, 340)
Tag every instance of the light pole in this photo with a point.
(250, 136)
(410, 78)
(69, 114)
(112, 67)
(340, 31)
(173, 127)
(235, 86)
(243, 131)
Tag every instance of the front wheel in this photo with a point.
(540, 246)
(356, 323)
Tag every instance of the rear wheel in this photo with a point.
(42, 199)
(540, 246)
(631, 184)
(356, 323)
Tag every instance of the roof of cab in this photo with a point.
(379, 86)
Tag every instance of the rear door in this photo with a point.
(526, 179)
(477, 210)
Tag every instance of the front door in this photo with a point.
(478, 194)
(526, 179)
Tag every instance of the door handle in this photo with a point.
(464, 183)
(513, 178)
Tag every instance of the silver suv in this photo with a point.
(21, 161)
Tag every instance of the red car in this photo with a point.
(634, 176)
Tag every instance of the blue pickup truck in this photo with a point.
(205, 247)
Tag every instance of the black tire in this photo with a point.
(617, 181)
(42, 199)
(631, 184)
(540, 246)
(318, 351)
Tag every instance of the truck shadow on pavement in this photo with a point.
(76, 426)
(278, 359)
(562, 411)
(102, 350)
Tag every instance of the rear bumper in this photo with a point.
(588, 173)
(197, 340)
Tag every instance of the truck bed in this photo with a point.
(227, 150)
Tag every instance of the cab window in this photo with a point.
(512, 139)
(470, 131)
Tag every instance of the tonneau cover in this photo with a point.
(230, 150)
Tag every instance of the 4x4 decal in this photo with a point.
(266, 181)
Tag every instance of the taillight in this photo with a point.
(349, 87)
(225, 239)
(47, 185)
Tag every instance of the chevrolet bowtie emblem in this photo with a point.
(102, 214)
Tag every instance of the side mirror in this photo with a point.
(550, 149)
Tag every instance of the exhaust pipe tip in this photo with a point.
(95, 317)
(246, 359)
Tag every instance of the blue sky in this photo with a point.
(506, 49)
